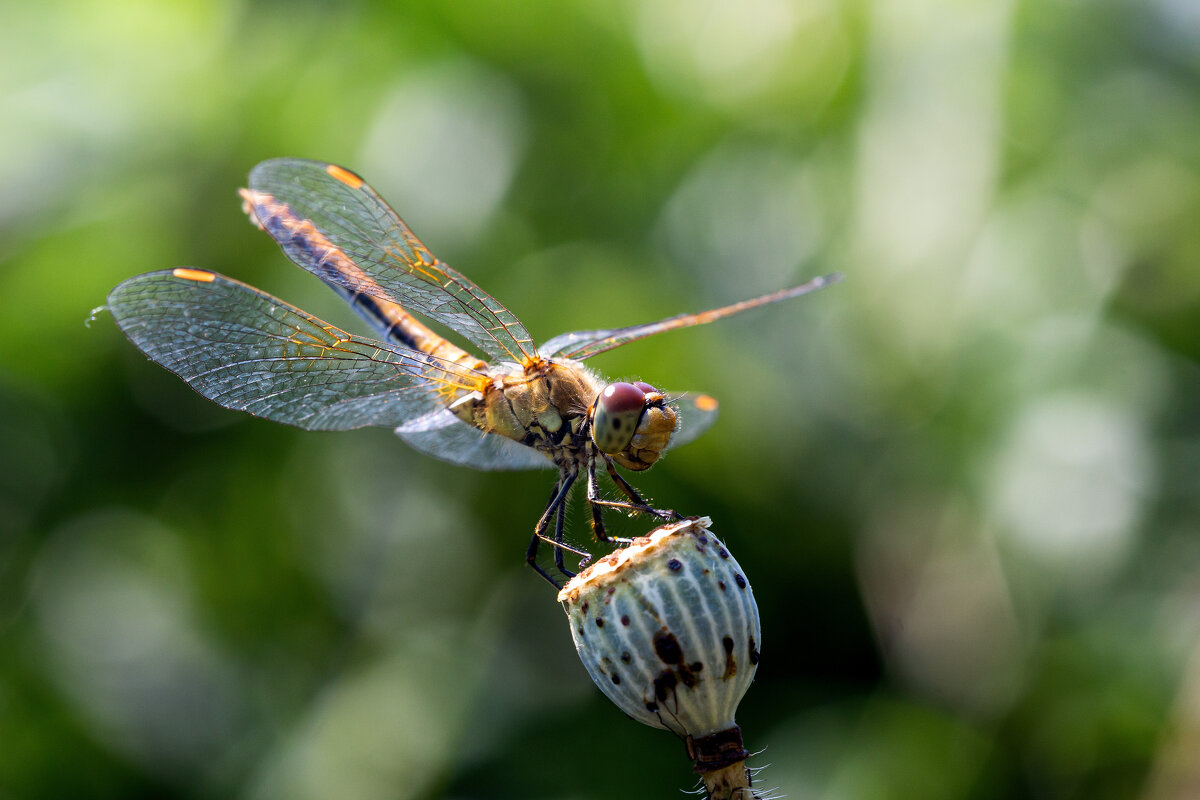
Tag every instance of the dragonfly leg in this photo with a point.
(636, 502)
(559, 518)
(596, 504)
(555, 507)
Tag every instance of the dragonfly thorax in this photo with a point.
(544, 406)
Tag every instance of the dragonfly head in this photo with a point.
(632, 423)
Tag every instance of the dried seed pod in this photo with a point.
(669, 631)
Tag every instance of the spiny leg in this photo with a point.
(636, 502)
(557, 496)
(594, 503)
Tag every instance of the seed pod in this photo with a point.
(669, 631)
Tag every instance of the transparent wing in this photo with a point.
(585, 344)
(697, 413)
(334, 225)
(442, 435)
(249, 351)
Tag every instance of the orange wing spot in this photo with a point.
(344, 175)
(194, 275)
(706, 402)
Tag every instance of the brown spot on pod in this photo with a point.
(731, 667)
(667, 647)
(664, 685)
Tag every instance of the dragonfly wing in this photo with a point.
(697, 413)
(249, 351)
(442, 435)
(585, 344)
(334, 225)
(566, 343)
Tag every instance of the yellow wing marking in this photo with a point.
(430, 277)
(200, 275)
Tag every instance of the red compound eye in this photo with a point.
(618, 409)
(621, 398)
(645, 387)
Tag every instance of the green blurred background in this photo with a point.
(963, 483)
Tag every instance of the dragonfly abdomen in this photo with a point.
(305, 244)
(402, 328)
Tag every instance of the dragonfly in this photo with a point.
(522, 407)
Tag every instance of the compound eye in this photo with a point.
(621, 398)
(618, 409)
(645, 387)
